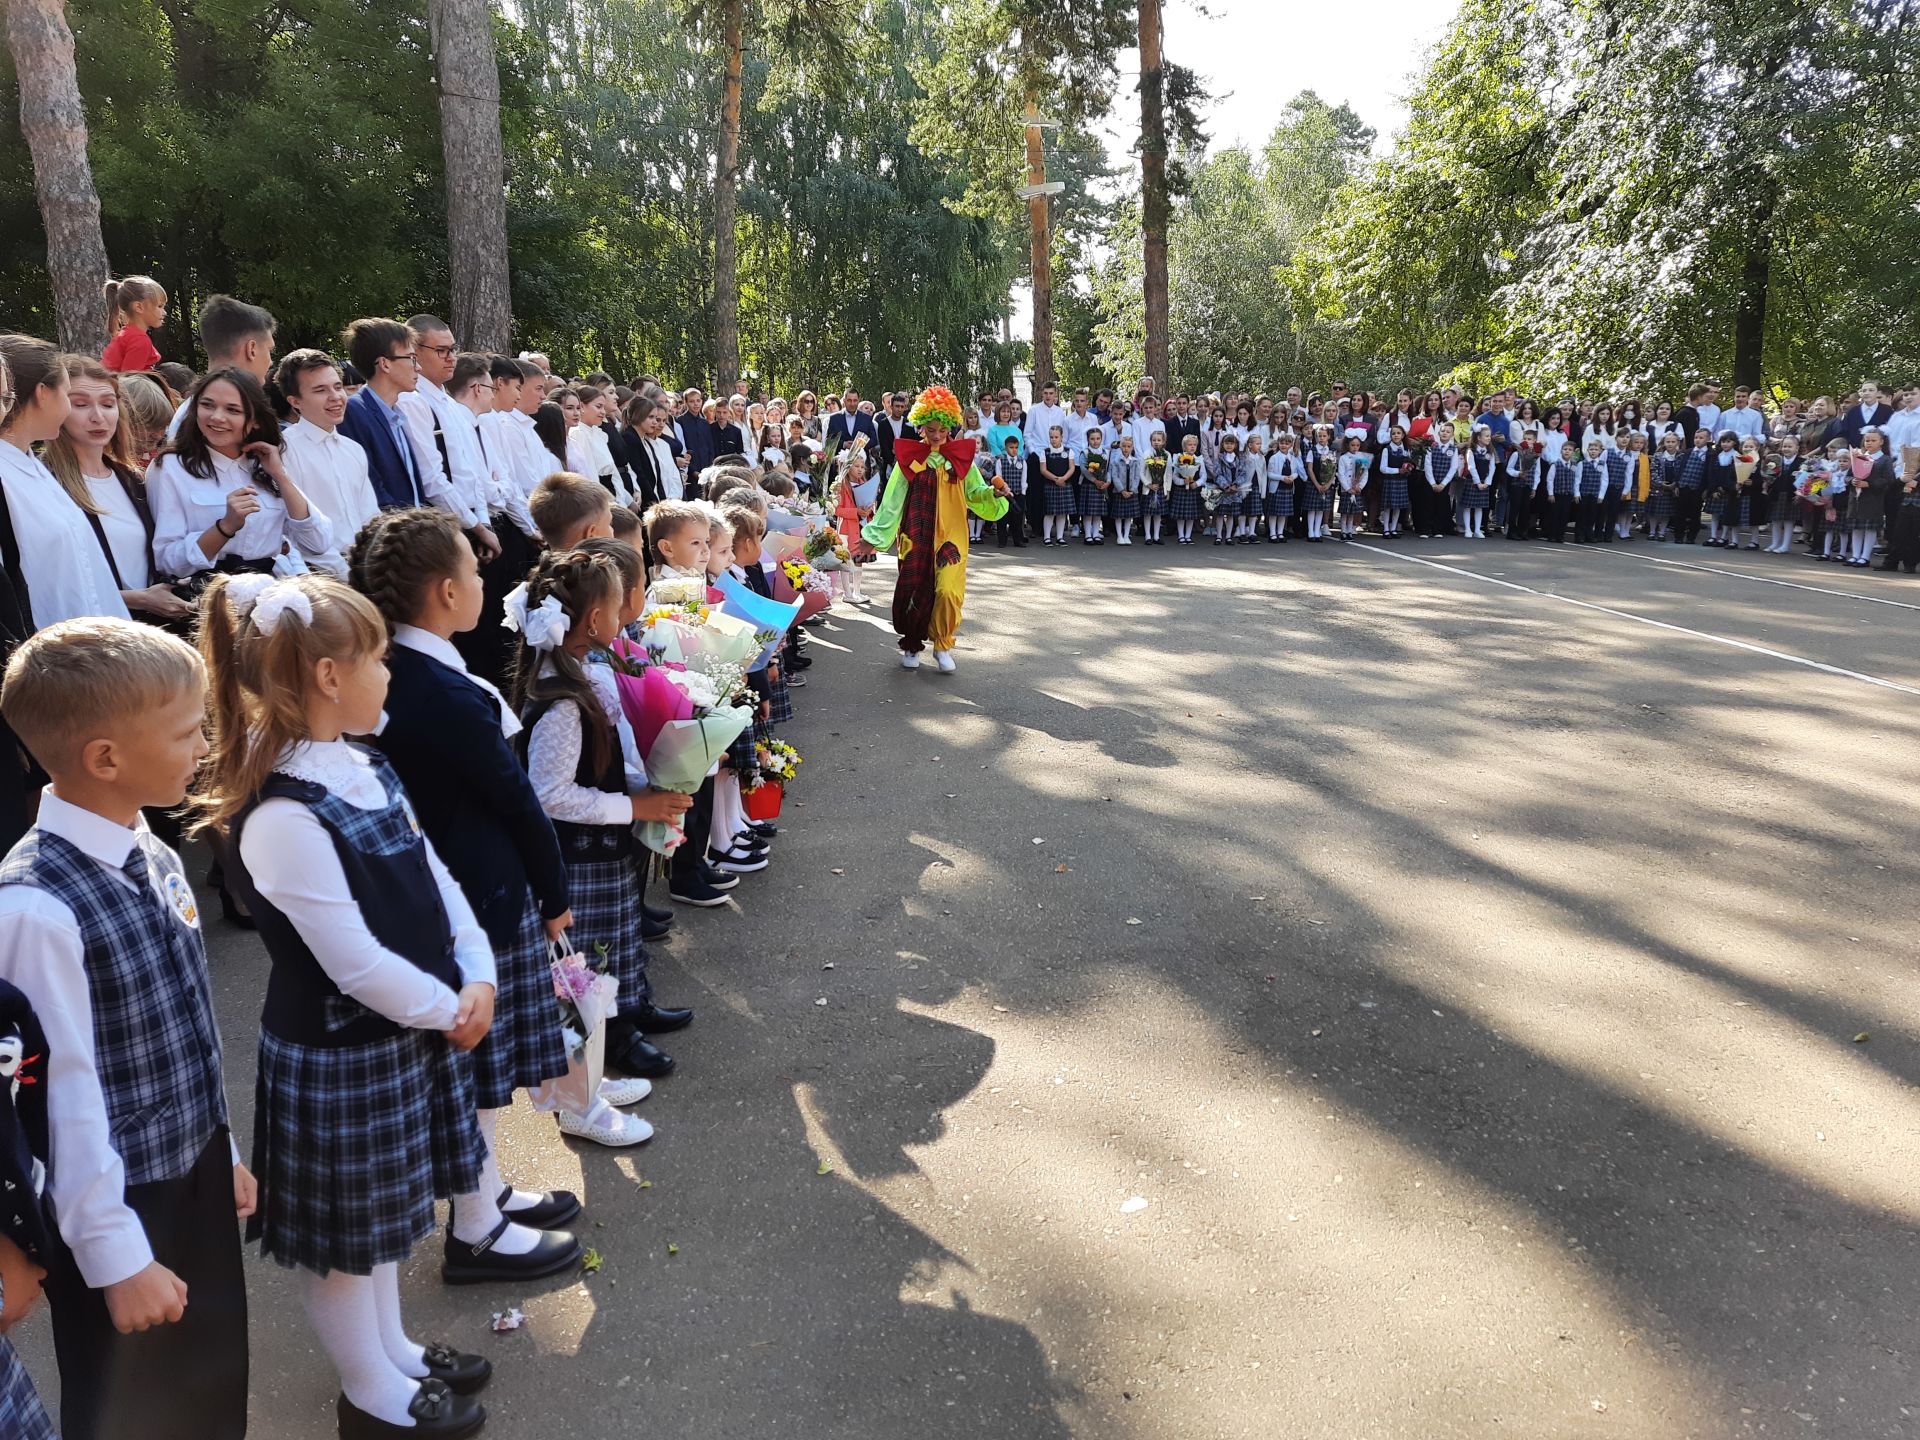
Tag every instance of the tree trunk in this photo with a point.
(1042, 258)
(726, 207)
(1750, 316)
(55, 126)
(469, 80)
(1155, 213)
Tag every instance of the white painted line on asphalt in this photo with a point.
(1743, 575)
(1708, 635)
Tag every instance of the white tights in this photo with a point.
(1862, 546)
(1316, 524)
(475, 1216)
(357, 1320)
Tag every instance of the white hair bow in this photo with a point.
(544, 627)
(265, 598)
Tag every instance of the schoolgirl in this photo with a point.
(1663, 484)
(1439, 469)
(1284, 471)
(446, 736)
(1869, 477)
(1722, 501)
(1123, 495)
(365, 1112)
(1749, 504)
(1096, 490)
(1782, 493)
(1395, 462)
(1184, 478)
(1226, 480)
(1156, 475)
(222, 499)
(849, 514)
(1057, 471)
(1478, 468)
(1321, 478)
(1253, 480)
(1630, 475)
(1352, 473)
(583, 770)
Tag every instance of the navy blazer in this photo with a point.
(697, 433)
(366, 422)
(844, 427)
(472, 798)
(1857, 420)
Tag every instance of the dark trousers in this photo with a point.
(1036, 500)
(698, 823)
(1519, 510)
(184, 1381)
(1555, 511)
(1686, 514)
(1904, 546)
(1012, 525)
(488, 647)
(1589, 517)
(1611, 517)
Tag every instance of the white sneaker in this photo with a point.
(909, 661)
(944, 659)
(1123, 540)
(607, 1126)
(629, 1090)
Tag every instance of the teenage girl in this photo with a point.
(380, 975)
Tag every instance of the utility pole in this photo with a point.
(1036, 192)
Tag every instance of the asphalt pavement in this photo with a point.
(1402, 989)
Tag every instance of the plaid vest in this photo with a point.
(156, 1048)
(1013, 470)
(1593, 479)
(1558, 480)
(1693, 470)
(1619, 466)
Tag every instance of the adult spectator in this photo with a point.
(849, 422)
(1043, 417)
(1871, 413)
(890, 428)
(382, 351)
(1179, 422)
(445, 437)
(236, 336)
(1744, 420)
(330, 468)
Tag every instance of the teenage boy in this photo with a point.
(330, 468)
(100, 929)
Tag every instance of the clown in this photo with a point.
(933, 486)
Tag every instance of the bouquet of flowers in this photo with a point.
(1096, 467)
(1417, 454)
(1187, 469)
(1815, 479)
(1327, 469)
(1210, 497)
(775, 760)
(764, 617)
(796, 572)
(825, 550)
(1156, 471)
(587, 996)
(1363, 462)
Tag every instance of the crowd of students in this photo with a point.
(360, 625)
(1245, 468)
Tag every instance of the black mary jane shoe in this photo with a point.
(765, 829)
(437, 1414)
(466, 1264)
(637, 1056)
(555, 1209)
(462, 1374)
(651, 1019)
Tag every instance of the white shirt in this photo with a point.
(1040, 420)
(553, 759)
(1076, 427)
(499, 450)
(460, 485)
(1902, 430)
(67, 575)
(296, 869)
(425, 642)
(331, 471)
(41, 952)
(672, 486)
(532, 461)
(126, 532)
(1709, 420)
(185, 507)
(1744, 421)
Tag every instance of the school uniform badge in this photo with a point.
(180, 895)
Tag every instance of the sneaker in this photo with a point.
(944, 659)
(628, 1090)
(797, 682)
(718, 879)
(605, 1125)
(743, 862)
(696, 892)
(910, 661)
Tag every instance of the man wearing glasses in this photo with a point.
(445, 437)
(382, 351)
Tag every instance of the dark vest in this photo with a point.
(384, 856)
(585, 842)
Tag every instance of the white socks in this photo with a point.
(477, 1215)
(345, 1314)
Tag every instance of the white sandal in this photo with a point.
(606, 1126)
(630, 1090)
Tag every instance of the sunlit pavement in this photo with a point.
(1272, 992)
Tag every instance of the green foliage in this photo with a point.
(289, 151)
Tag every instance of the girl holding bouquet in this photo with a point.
(1783, 494)
(1869, 475)
(1284, 471)
(1665, 483)
(1123, 498)
(1155, 473)
(446, 737)
(574, 754)
(1319, 491)
(1352, 472)
(849, 514)
(1185, 476)
(1096, 497)
(1394, 464)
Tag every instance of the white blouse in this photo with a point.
(553, 757)
(126, 532)
(61, 561)
(331, 471)
(291, 858)
(185, 507)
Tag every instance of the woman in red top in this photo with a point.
(137, 304)
(1432, 412)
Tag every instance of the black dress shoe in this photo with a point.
(637, 1057)
(651, 1019)
(466, 1264)
(657, 914)
(437, 1413)
(765, 829)
(653, 930)
(556, 1208)
(462, 1374)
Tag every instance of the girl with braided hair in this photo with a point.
(446, 735)
(586, 772)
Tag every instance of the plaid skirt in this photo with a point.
(523, 1050)
(352, 1144)
(22, 1416)
(1719, 504)
(1394, 491)
(1280, 500)
(606, 911)
(1660, 504)
(1059, 498)
(1123, 504)
(1785, 508)
(779, 700)
(1472, 497)
(1095, 503)
(1185, 503)
(1153, 502)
